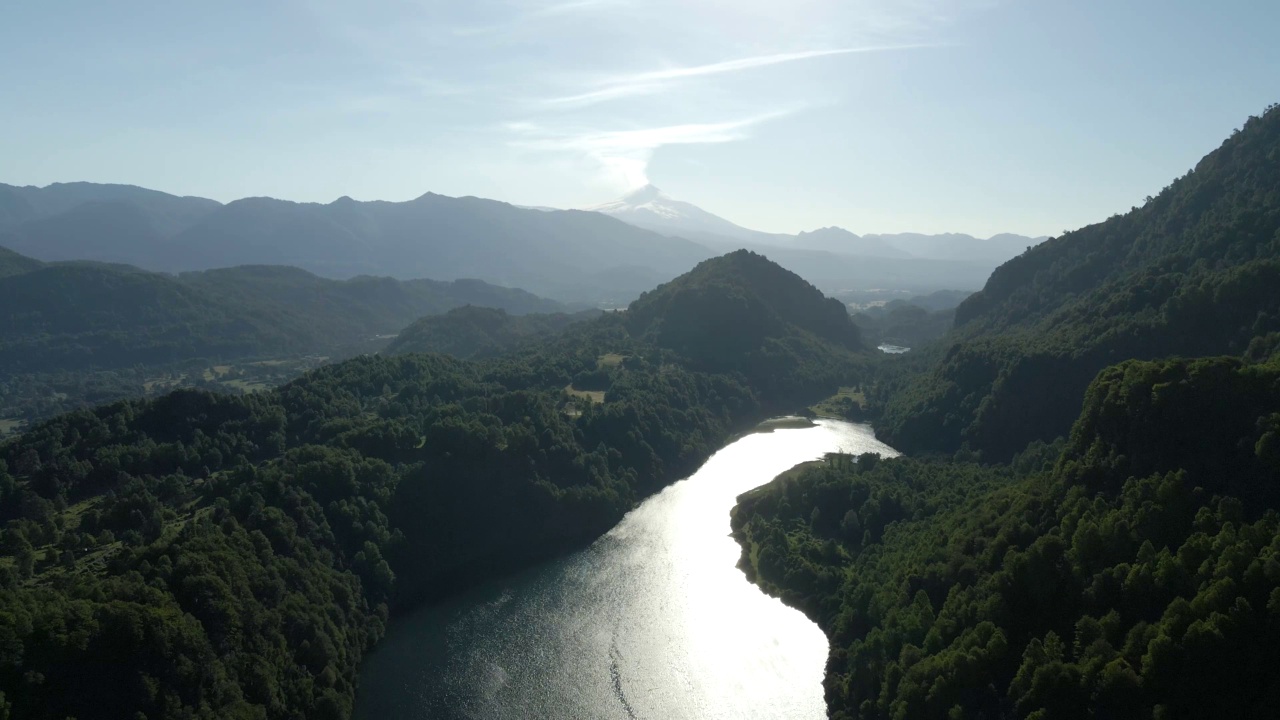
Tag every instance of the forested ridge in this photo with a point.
(74, 334)
(210, 556)
(1195, 271)
(1135, 573)
(1093, 527)
(473, 331)
(86, 316)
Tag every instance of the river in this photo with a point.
(653, 620)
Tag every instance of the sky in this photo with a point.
(977, 116)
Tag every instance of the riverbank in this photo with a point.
(653, 616)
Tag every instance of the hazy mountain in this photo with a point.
(569, 254)
(650, 208)
(168, 213)
(839, 240)
(87, 315)
(116, 232)
(653, 209)
(958, 246)
(11, 263)
(832, 258)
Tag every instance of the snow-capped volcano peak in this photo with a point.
(646, 200)
(650, 208)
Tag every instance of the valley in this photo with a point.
(235, 493)
(353, 365)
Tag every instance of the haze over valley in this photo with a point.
(573, 256)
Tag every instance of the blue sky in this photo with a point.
(978, 116)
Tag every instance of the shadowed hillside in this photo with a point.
(1195, 271)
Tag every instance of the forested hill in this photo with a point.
(206, 556)
(11, 263)
(742, 312)
(1194, 271)
(1133, 574)
(84, 315)
(472, 332)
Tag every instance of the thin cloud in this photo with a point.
(623, 156)
(605, 94)
(749, 63)
(657, 81)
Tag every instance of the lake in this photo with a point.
(653, 620)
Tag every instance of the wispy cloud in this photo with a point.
(656, 81)
(749, 63)
(623, 155)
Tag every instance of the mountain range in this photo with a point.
(650, 208)
(605, 257)
(568, 254)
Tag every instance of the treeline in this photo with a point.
(1132, 571)
(478, 332)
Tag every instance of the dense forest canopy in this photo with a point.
(472, 331)
(204, 555)
(742, 313)
(1194, 271)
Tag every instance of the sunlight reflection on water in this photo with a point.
(653, 620)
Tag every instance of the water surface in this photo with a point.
(892, 349)
(653, 620)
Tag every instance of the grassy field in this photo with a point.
(595, 396)
(611, 359)
(247, 386)
(216, 372)
(839, 405)
(9, 426)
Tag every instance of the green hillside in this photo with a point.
(471, 331)
(1195, 271)
(1135, 575)
(83, 316)
(93, 316)
(11, 263)
(742, 313)
(347, 312)
(77, 334)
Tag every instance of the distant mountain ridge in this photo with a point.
(567, 254)
(652, 209)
